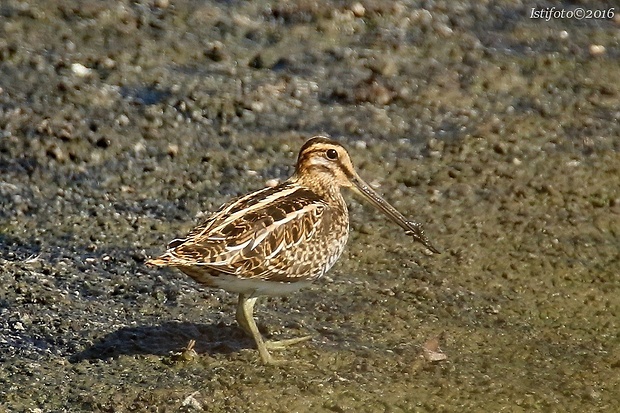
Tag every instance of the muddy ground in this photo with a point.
(120, 122)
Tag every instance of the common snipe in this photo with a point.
(277, 240)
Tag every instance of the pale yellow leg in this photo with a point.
(245, 318)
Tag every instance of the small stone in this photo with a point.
(597, 50)
(122, 120)
(80, 70)
(272, 183)
(108, 63)
(358, 9)
(215, 52)
(172, 150)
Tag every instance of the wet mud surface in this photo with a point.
(120, 123)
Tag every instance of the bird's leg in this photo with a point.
(245, 318)
(241, 318)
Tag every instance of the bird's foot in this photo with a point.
(282, 344)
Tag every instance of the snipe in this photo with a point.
(277, 240)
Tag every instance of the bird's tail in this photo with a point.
(163, 260)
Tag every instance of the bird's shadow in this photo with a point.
(165, 340)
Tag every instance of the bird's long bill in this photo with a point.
(411, 228)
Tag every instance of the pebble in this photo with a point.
(358, 9)
(80, 70)
(597, 50)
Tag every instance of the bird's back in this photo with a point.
(288, 233)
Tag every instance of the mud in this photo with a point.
(120, 123)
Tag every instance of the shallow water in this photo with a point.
(498, 132)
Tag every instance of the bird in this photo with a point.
(279, 239)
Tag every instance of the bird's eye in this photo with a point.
(331, 154)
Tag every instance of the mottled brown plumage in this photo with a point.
(277, 240)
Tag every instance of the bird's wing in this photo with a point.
(246, 235)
